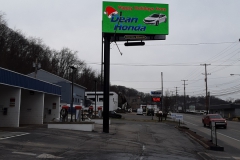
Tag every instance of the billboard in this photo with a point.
(135, 18)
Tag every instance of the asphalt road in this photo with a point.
(228, 138)
(131, 138)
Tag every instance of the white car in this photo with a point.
(155, 19)
(139, 111)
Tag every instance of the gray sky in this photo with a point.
(200, 31)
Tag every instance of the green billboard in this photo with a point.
(135, 18)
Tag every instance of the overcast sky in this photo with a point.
(200, 31)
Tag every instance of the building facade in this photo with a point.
(66, 87)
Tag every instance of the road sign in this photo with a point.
(156, 93)
(156, 99)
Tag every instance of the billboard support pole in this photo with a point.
(162, 91)
(107, 38)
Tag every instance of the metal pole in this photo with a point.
(184, 109)
(72, 98)
(206, 86)
(95, 96)
(209, 101)
(162, 91)
(36, 67)
(107, 38)
(102, 65)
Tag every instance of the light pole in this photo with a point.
(72, 67)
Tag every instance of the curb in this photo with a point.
(199, 141)
(207, 146)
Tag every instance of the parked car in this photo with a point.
(220, 122)
(150, 112)
(155, 19)
(113, 114)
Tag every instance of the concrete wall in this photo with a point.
(12, 117)
(31, 109)
(51, 107)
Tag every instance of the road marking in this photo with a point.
(112, 139)
(228, 137)
(191, 123)
(235, 130)
(25, 153)
(45, 156)
(14, 136)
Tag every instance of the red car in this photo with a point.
(220, 122)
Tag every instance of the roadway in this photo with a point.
(228, 138)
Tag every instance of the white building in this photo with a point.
(113, 100)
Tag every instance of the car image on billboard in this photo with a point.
(155, 19)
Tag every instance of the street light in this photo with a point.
(72, 67)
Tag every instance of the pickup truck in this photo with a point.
(219, 121)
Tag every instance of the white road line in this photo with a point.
(25, 153)
(228, 137)
(47, 156)
(191, 123)
(14, 136)
(235, 130)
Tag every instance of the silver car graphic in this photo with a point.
(155, 19)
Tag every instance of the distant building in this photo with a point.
(226, 110)
(134, 102)
(113, 100)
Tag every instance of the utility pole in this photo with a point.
(176, 99)
(172, 101)
(206, 98)
(184, 96)
(209, 100)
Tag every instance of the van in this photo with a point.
(139, 111)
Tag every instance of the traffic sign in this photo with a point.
(156, 99)
(156, 93)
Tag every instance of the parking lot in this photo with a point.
(132, 137)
